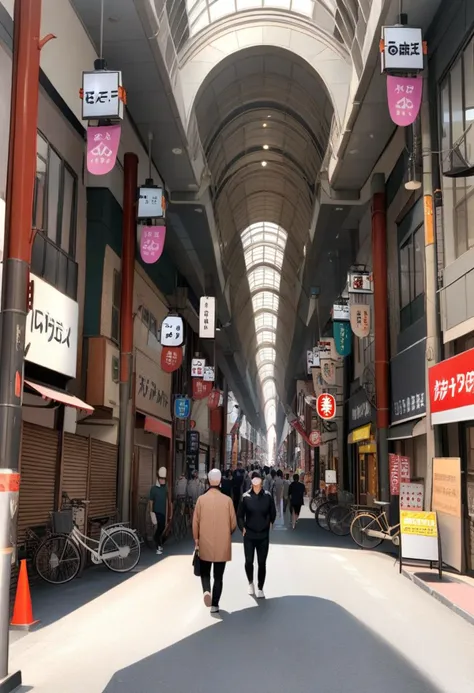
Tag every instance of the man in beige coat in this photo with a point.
(214, 522)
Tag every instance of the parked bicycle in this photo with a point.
(370, 529)
(341, 499)
(60, 557)
(341, 516)
(182, 518)
(318, 499)
(145, 525)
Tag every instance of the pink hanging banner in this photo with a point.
(152, 242)
(404, 98)
(102, 147)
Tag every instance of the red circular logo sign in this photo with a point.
(326, 406)
(192, 424)
(315, 438)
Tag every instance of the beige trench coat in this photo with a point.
(213, 523)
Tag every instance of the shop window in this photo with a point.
(115, 324)
(153, 336)
(411, 263)
(54, 219)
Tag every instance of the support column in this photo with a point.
(379, 264)
(16, 266)
(127, 426)
(433, 348)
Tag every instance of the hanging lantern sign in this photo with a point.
(401, 49)
(182, 407)
(201, 390)
(213, 399)
(207, 317)
(197, 368)
(208, 375)
(342, 337)
(102, 95)
(151, 203)
(340, 311)
(360, 320)
(359, 282)
(102, 147)
(404, 99)
(328, 371)
(326, 406)
(172, 331)
(171, 359)
(152, 242)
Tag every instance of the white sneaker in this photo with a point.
(207, 599)
(214, 609)
(260, 594)
(252, 589)
(159, 551)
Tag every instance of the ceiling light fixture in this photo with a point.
(265, 146)
(264, 125)
(264, 163)
(268, 116)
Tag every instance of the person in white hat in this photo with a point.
(214, 522)
(158, 507)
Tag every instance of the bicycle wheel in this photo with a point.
(359, 527)
(124, 540)
(314, 503)
(58, 559)
(322, 515)
(340, 519)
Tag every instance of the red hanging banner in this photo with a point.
(201, 389)
(213, 399)
(171, 358)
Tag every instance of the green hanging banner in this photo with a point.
(342, 338)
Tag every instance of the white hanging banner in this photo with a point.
(172, 332)
(151, 203)
(197, 368)
(340, 311)
(309, 361)
(316, 363)
(402, 49)
(208, 375)
(327, 349)
(102, 95)
(360, 319)
(328, 371)
(207, 317)
(359, 282)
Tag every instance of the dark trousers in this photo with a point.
(236, 494)
(160, 528)
(261, 546)
(218, 579)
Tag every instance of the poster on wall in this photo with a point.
(411, 496)
(447, 503)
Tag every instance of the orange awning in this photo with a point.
(58, 396)
(160, 428)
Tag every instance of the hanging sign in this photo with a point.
(102, 95)
(359, 282)
(207, 317)
(171, 359)
(401, 49)
(404, 99)
(197, 368)
(172, 333)
(318, 383)
(325, 348)
(328, 371)
(201, 389)
(326, 406)
(151, 203)
(451, 386)
(192, 442)
(102, 147)
(213, 399)
(399, 472)
(209, 374)
(314, 438)
(340, 311)
(152, 242)
(316, 357)
(342, 338)
(360, 319)
(182, 407)
(309, 361)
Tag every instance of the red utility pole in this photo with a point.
(130, 178)
(16, 266)
(379, 258)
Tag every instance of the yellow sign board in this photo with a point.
(362, 433)
(421, 524)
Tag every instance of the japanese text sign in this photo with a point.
(152, 387)
(360, 319)
(207, 317)
(171, 358)
(422, 524)
(328, 371)
(404, 99)
(402, 49)
(342, 337)
(359, 282)
(316, 357)
(451, 389)
(447, 485)
(182, 407)
(172, 332)
(192, 442)
(197, 368)
(213, 399)
(201, 389)
(399, 472)
(309, 361)
(151, 203)
(340, 311)
(326, 406)
(209, 375)
(102, 147)
(152, 242)
(101, 95)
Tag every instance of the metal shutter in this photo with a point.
(38, 464)
(75, 466)
(145, 472)
(103, 479)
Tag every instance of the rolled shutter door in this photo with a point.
(38, 464)
(75, 466)
(103, 479)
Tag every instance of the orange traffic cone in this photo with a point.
(23, 610)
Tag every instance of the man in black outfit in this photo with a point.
(296, 494)
(237, 483)
(255, 517)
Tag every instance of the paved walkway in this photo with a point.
(336, 619)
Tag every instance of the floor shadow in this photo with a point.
(293, 643)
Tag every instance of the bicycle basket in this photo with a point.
(345, 498)
(62, 521)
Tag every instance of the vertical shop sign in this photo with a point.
(207, 317)
(102, 147)
(342, 338)
(404, 99)
(152, 243)
(197, 368)
(328, 371)
(360, 319)
(399, 472)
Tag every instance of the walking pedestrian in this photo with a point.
(159, 508)
(238, 480)
(278, 491)
(296, 494)
(226, 483)
(286, 488)
(256, 516)
(214, 522)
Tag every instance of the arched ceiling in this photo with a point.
(264, 117)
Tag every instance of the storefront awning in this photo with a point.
(159, 428)
(360, 434)
(58, 396)
(410, 429)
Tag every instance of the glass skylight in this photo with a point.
(266, 337)
(264, 319)
(265, 299)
